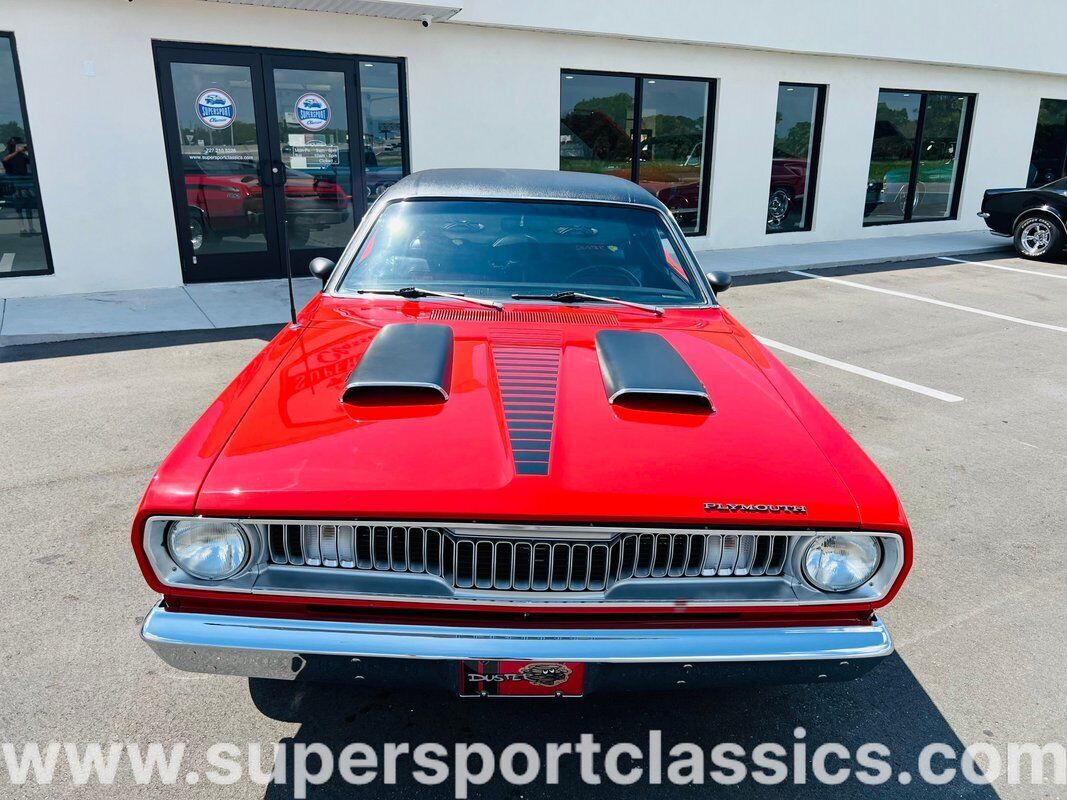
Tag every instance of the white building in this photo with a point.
(153, 135)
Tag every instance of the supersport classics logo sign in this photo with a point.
(753, 508)
(216, 109)
(312, 111)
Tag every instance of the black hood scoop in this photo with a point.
(406, 363)
(642, 369)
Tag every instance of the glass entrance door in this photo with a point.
(217, 146)
(269, 157)
(312, 155)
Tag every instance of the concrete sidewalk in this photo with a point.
(200, 306)
(233, 305)
(824, 255)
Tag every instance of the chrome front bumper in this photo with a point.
(428, 656)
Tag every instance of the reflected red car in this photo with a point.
(788, 185)
(225, 198)
(518, 447)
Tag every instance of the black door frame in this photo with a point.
(238, 266)
(261, 63)
(353, 118)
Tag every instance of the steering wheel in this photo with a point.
(512, 251)
(606, 274)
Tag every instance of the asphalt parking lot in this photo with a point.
(953, 376)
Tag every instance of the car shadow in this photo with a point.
(888, 706)
(888, 266)
(839, 272)
(11, 353)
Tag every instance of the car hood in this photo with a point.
(299, 450)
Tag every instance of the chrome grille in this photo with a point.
(528, 564)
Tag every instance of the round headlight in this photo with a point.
(211, 551)
(837, 563)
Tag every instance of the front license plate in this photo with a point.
(521, 679)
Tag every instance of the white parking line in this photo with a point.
(1006, 269)
(932, 301)
(866, 373)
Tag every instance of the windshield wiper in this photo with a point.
(581, 297)
(414, 293)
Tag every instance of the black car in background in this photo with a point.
(1035, 218)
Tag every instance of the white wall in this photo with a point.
(478, 96)
(994, 34)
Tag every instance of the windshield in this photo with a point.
(494, 249)
(1059, 185)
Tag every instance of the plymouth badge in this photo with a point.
(753, 508)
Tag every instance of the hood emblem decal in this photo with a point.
(541, 674)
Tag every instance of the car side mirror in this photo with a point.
(720, 281)
(321, 268)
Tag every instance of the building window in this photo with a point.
(652, 130)
(384, 145)
(795, 159)
(917, 157)
(1048, 160)
(23, 243)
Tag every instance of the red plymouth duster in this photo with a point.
(517, 447)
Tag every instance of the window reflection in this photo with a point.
(941, 143)
(1047, 160)
(796, 143)
(596, 124)
(383, 140)
(673, 120)
(914, 173)
(600, 121)
(220, 157)
(312, 117)
(895, 128)
(23, 250)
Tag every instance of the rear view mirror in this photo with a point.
(720, 281)
(321, 268)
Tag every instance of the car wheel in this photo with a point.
(902, 198)
(299, 233)
(778, 207)
(196, 231)
(1038, 237)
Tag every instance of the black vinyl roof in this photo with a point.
(512, 184)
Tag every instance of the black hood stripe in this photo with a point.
(528, 377)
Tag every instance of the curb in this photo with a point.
(850, 262)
